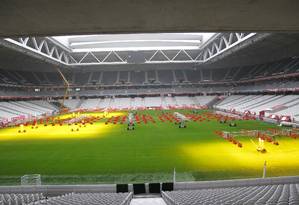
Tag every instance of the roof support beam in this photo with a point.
(45, 48)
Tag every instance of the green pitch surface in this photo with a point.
(101, 153)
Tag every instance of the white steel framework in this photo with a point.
(45, 47)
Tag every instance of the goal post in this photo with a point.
(31, 179)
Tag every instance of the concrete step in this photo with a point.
(148, 201)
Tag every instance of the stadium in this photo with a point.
(128, 108)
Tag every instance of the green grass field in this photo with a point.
(109, 153)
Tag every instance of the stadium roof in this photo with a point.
(221, 50)
(128, 48)
(134, 42)
(56, 17)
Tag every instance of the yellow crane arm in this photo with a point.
(66, 83)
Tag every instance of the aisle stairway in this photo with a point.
(147, 200)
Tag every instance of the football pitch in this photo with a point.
(109, 153)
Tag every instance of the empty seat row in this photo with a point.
(281, 194)
(13, 109)
(255, 103)
(88, 199)
(20, 199)
(120, 103)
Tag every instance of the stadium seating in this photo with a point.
(90, 104)
(152, 101)
(269, 104)
(169, 101)
(159, 89)
(105, 103)
(203, 100)
(291, 110)
(137, 102)
(120, 103)
(184, 101)
(287, 66)
(88, 198)
(251, 101)
(259, 191)
(12, 109)
(265, 194)
(72, 103)
(288, 104)
(70, 199)
(14, 199)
